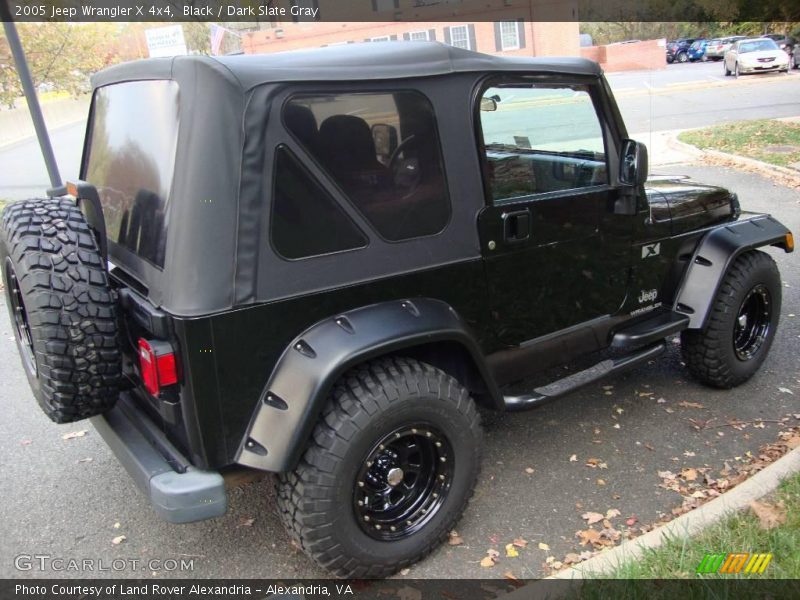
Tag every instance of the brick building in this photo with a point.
(508, 27)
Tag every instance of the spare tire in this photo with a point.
(61, 307)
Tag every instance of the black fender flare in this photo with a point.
(715, 253)
(306, 372)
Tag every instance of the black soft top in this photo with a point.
(363, 61)
(216, 255)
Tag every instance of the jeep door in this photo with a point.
(556, 255)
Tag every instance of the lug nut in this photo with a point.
(438, 444)
(361, 503)
(377, 526)
(360, 484)
(413, 431)
(443, 459)
(441, 477)
(381, 447)
(435, 495)
(366, 517)
(428, 433)
(396, 435)
(369, 463)
(393, 528)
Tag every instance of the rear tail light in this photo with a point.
(158, 366)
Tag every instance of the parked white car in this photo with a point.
(755, 56)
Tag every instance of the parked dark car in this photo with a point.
(324, 263)
(784, 42)
(678, 50)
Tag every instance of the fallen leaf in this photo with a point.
(73, 434)
(550, 559)
(557, 564)
(601, 482)
(85, 460)
(588, 536)
(689, 474)
(573, 458)
(616, 425)
(620, 410)
(543, 546)
(592, 517)
(26, 442)
(529, 470)
(405, 571)
(793, 442)
(247, 522)
(784, 390)
(511, 551)
(593, 462)
(571, 558)
(769, 515)
(611, 513)
(520, 543)
(689, 454)
(455, 539)
(686, 404)
(510, 575)
(649, 447)
(669, 410)
(487, 561)
(118, 540)
(492, 553)
(631, 521)
(666, 474)
(117, 525)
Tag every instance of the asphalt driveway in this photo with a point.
(63, 498)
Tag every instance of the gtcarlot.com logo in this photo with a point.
(48, 562)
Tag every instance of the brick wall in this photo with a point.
(628, 57)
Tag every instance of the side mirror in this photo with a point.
(488, 104)
(633, 166)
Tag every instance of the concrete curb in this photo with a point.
(691, 523)
(743, 162)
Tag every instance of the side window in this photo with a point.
(383, 152)
(541, 139)
(306, 220)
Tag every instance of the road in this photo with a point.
(681, 96)
(63, 498)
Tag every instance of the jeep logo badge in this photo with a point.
(651, 250)
(648, 296)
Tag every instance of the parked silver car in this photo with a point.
(717, 47)
(755, 56)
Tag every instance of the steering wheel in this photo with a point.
(402, 146)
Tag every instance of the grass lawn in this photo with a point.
(679, 559)
(755, 139)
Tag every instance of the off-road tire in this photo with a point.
(709, 353)
(316, 499)
(52, 267)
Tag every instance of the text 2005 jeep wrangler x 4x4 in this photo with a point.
(319, 264)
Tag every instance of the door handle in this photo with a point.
(516, 226)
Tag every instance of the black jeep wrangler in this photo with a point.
(320, 264)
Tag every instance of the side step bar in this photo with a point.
(577, 380)
(650, 330)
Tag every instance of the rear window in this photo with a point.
(131, 159)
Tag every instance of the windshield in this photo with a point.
(757, 46)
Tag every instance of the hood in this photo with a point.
(754, 57)
(688, 204)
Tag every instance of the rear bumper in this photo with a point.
(178, 492)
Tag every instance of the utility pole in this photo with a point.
(30, 94)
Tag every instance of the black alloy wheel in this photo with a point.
(403, 482)
(752, 326)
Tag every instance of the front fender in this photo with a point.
(310, 366)
(715, 253)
